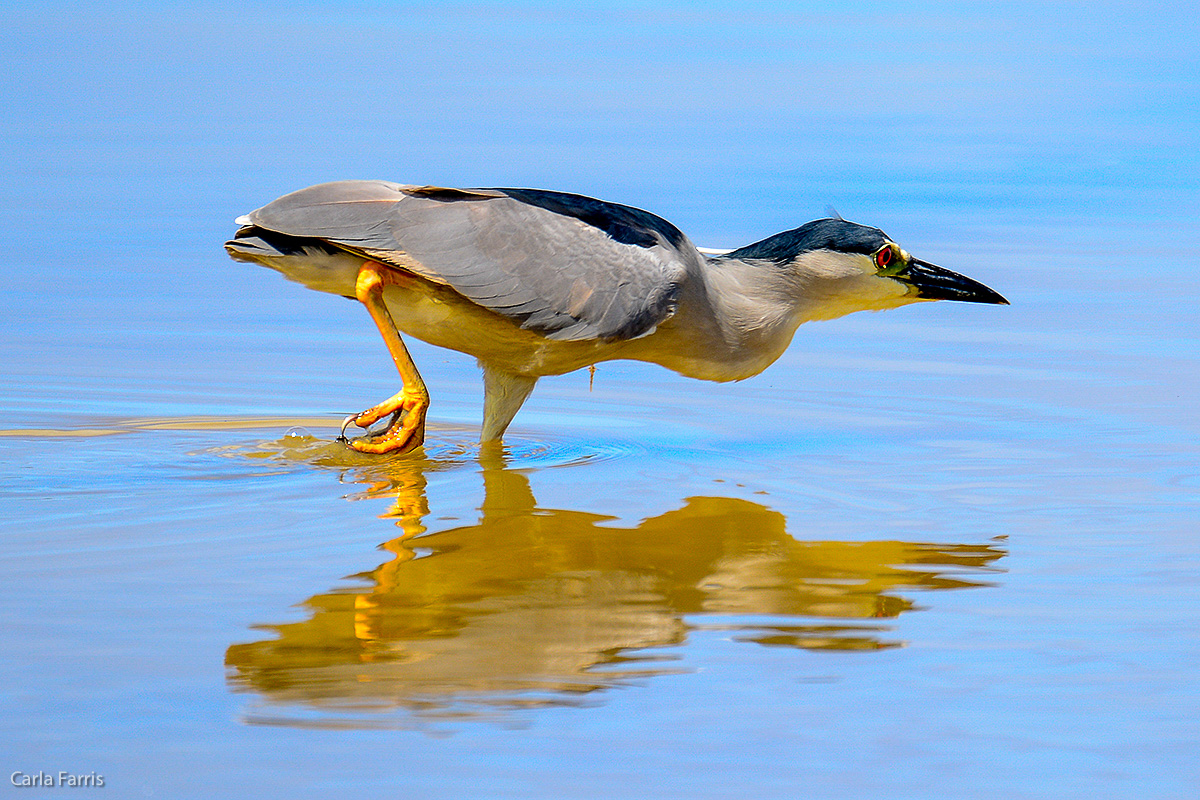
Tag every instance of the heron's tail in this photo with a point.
(312, 262)
(252, 243)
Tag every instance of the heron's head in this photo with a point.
(839, 267)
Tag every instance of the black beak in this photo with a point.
(935, 283)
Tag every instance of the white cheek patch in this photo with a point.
(836, 284)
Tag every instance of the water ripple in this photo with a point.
(546, 451)
(447, 448)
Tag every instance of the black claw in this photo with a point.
(346, 423)
(392, 419)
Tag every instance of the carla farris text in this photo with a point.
(63, 778)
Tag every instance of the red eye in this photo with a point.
(883, 257)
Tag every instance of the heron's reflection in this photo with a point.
(534, 605)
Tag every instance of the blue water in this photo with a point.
(945, 551)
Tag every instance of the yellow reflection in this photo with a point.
(532, 605)
(201, 423)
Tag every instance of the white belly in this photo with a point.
(442, 317)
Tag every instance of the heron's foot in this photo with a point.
(405, 430)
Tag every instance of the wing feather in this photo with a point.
(564, 265)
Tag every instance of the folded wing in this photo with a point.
(566, 266)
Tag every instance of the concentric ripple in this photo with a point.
(446, 448)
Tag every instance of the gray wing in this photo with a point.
(567, 266)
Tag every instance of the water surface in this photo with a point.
(945, 551)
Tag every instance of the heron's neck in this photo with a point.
(736, 316)
(734, 322)
(757, 305)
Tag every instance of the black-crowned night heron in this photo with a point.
(537, 283)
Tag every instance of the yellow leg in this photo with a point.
(408, 406)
